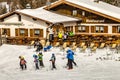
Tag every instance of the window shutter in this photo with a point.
(72, 28)
(114, 28)
(105, 29)
(87, 29)
(26, 32)
(76, 28)
(16, 32)
(31, 32)
(41, 32)
(92, 29)
(8, 32)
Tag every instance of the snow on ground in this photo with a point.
(88, 67)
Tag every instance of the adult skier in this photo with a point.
(70, 59)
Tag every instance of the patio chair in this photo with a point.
(102, 45)
(83, 48)
(114, 46)
(82, 44)
(94, 49)
(32, 43)
(74, 47)
(64, 45)
(57, 44)
(92, 45)
(47, 43)
(74, 43)
(42, 42)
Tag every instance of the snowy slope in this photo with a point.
(88, 67)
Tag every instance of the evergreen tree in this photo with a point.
(3, 10)
(23, 3)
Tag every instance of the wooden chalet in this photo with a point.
(87, 19)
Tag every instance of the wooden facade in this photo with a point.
(82, 29)
(5, 31)
(92, 23)
(36, 32)
(95, 19)
(21, 32)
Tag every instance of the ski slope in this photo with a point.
(88, 67)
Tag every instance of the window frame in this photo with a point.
(23, 33)
(74, 12)
(118, 29)
(81, 28)
(99, 29)
(68, 28)
(36, 34)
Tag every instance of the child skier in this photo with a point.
(40, 58)
(36, 61)
(53, 58)
(22, 63)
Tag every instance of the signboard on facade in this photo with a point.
(96, 21)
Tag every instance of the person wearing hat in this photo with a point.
(40, 58)
(53, 59)
(60, 35)
(72, 58)
(36, 61)
(22, 63)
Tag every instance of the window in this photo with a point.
(4, 31)
(81, 29)
(118, 29)
(83, 13)
(37, 32)
(68, 28)
(74, 12)
(22, 31)
(99, 29)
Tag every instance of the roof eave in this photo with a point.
(33, 17)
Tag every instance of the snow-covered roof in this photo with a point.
(101, 7)
(47, 15)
